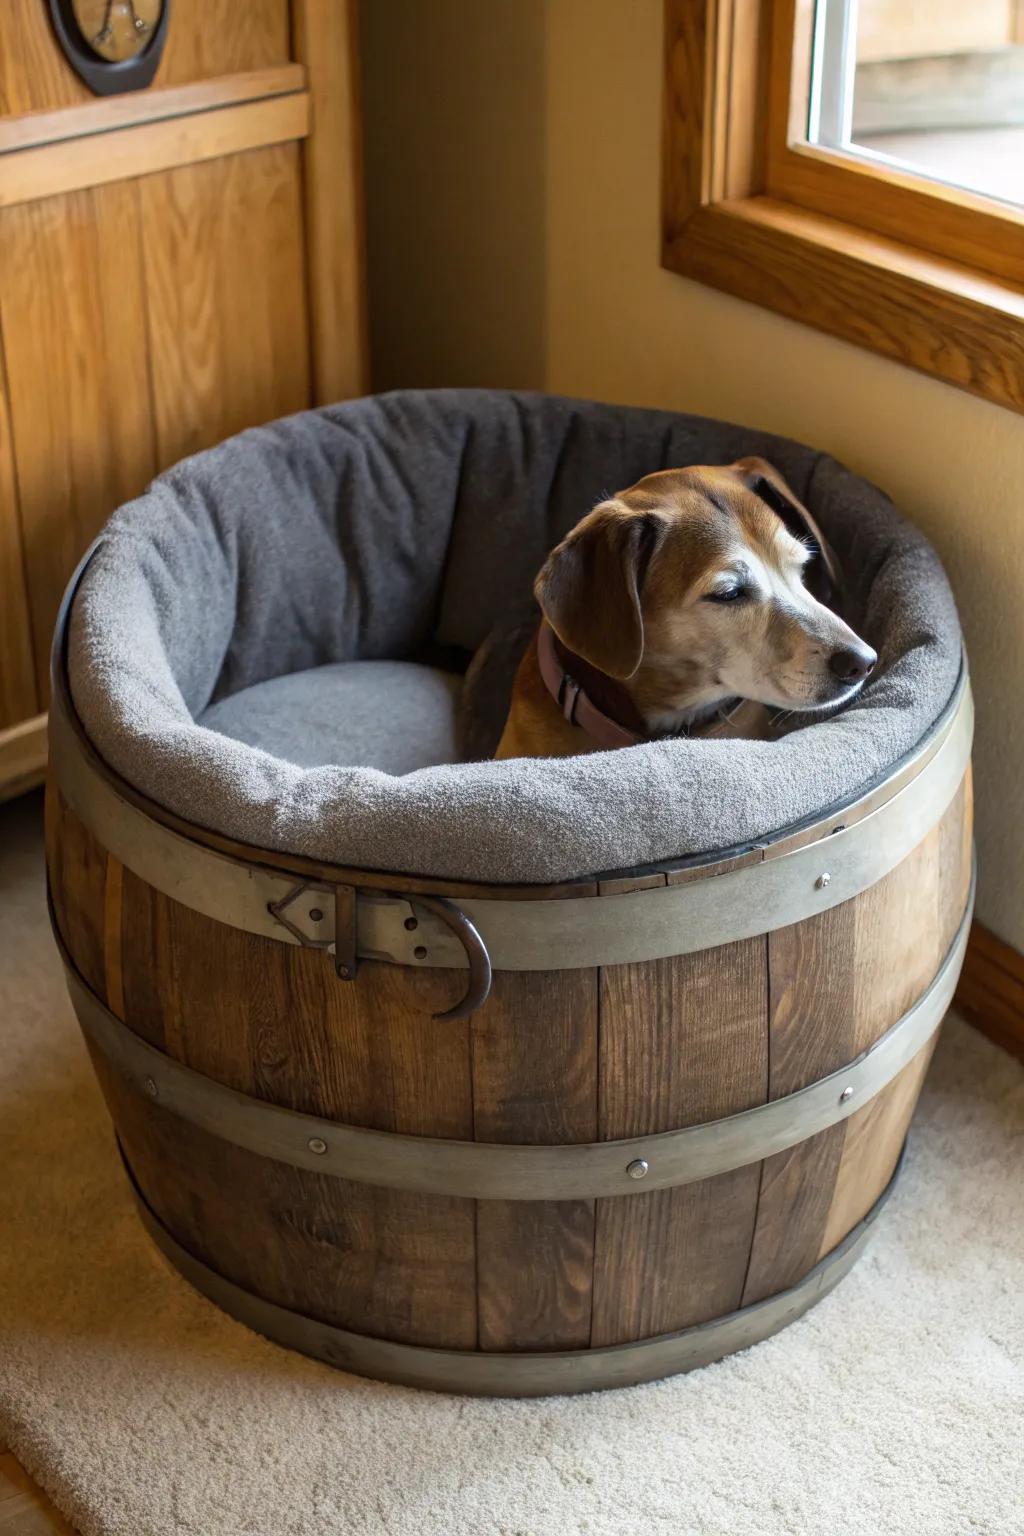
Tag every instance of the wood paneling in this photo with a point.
(34, 74)
(71, 164)
(166, 259)
(101, 114)
(535, 1081)
(22, 756)
(228, 336)
(682, 1041)
(205, 38)
(72, 307)
(326, 42)
(127, 306)
(19, 698)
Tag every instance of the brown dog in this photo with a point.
(684, 604)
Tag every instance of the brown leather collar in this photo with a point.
(564, 675)
(573, 684)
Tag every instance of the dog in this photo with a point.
(692, 603)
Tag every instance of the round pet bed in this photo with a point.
(507, 1077)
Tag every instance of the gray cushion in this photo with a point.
(392, 715)
(377, 528)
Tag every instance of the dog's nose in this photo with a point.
(853, 666)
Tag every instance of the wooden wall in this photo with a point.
(175, 264)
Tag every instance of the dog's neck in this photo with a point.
(604, 707)
(587, 697)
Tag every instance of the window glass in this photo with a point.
(935, 85)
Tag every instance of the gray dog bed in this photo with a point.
(255, 643)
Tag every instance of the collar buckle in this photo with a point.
(568, 693)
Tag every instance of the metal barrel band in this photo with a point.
(540, 934)
(530, 1374)
(493, 1171)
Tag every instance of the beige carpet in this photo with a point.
(895, 1407)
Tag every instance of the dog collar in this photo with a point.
(578, 708)
(573, 700)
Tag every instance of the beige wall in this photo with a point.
(512, 162)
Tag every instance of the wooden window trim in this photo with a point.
(946, 221)
(737, 218)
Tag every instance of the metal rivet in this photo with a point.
(638, 1168)
(846, 1095)
(343, 971)
(823, 880)
(151, 1088)
(420, 952)
(411, 923)
(316, 915)
(315, 1144)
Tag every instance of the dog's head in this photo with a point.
(701, 584)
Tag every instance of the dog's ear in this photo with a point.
(822, 576)
(589, 587)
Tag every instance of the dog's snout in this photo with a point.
(852, 666)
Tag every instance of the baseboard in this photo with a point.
(22, 757)
(991, 990)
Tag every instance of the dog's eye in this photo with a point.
(727, 594)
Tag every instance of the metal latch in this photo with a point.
(325, 917)
(322, 917)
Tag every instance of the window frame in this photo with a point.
(928, 275)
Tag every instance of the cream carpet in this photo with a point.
(895, 1407)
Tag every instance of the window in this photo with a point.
(857, 165)
(934, 88)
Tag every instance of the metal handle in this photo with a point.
(468, 935)
(313, 927)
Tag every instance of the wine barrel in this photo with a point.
(663, 1133)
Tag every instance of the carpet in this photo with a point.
(895, 1407)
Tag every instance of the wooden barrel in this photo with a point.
(663, 1135)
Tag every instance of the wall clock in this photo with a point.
(113, 45)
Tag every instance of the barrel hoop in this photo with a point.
(530, 1374)
(497, 1171)
(519, 935)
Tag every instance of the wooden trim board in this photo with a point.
(927, 313)
(29, 130)
(70, 165)
(327, 42)
(991, 990)
(919, 210)
(22, 757)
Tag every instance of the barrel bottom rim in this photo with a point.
(528, 1373)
